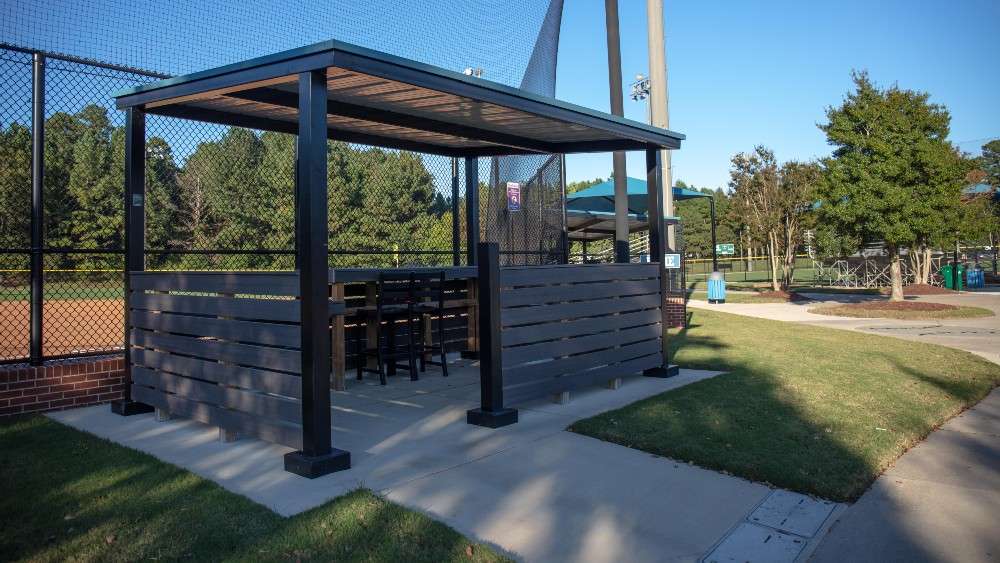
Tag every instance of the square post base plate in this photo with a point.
(662, 372)
(312, 467)
(717, 301)
(126, 407)
(491, 419)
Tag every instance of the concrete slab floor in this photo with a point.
(534, 490)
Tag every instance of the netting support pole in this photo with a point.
(135, 239)
(37, 206)
(317, 456)
(471, 209)
(456, 231)
(565, 229)
(657, 248)
(715, 250)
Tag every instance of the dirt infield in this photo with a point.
(68, 326)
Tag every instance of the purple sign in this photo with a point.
(513, 196)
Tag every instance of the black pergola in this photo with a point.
(337, 91)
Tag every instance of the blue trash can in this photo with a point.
(975, 277)
(716, 288)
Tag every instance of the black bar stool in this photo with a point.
(393, 303)
(428, 293)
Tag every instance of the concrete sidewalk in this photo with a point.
(532, 489)
(940, 502)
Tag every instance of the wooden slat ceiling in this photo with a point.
(384, 94)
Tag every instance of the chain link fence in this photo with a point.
(219, 198)
(222, 198)
(522, 210)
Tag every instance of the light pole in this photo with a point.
(640, 91)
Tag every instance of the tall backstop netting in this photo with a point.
(221, 198)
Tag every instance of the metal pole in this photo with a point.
(471, 209)
(456, 233)
(657, 248)
(956, 279)
(491, 412)
(565, 227)
(654, 213)
(617, 108)
(659, 110)
(715, 253)
(317, 457)
(37, 205)
(135, 238)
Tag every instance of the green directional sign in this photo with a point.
(727, 249)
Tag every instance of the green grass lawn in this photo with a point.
(816, 410)
(69, 495)
(82, 289)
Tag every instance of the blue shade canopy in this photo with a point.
(981, 189)
(600, 198)
(590, 213)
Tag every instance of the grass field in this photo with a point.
(815, 410)
(71, 496)
(55, 291)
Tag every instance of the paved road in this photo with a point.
(941, 500)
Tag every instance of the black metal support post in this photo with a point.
(657, 227)
(37, 207)
(471, 209)
(135, 238)
(715, 252)
(491, 413)
(456, 231)
(317, 457)
(565, 227)
(956, 277)
(657, 247)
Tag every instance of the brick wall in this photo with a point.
(675, 307)
(60, 385)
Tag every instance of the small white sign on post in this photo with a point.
(671, 261)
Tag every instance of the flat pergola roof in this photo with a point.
(387, 101)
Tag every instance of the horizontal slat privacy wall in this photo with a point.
(219, 348)
(569, 326)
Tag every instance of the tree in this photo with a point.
(15, 189)
(893, 172)
(162, 195)
(755, 182)
(573, 187)
(696, 220)
(96, 182)
(796, 196)
(990, 162)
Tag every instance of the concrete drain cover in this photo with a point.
(749, 542)
(792, 513)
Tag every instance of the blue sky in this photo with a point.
(746, 73)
